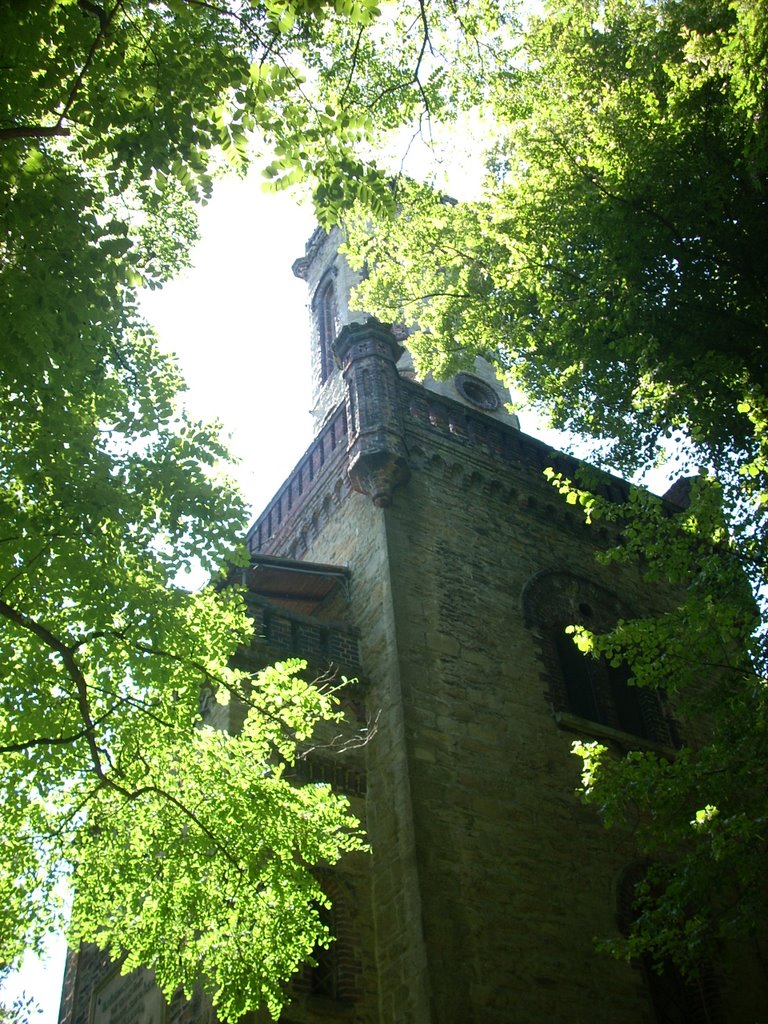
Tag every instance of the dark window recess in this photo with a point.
(586, 687)
(678, 1000)
(675, 999)
(602, 693)
(324, 976)
(578, 677)
(343, 777)
(334, 977)
(327, 325)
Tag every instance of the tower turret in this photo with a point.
(330, 281)
(378, 460)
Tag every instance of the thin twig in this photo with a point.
(353, 66)
(105, 21)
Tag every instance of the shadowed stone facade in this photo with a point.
(488, 881)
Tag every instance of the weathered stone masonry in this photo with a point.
(488, 881)
(477, 839)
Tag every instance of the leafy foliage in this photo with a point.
(206, 824)
(619, 253)
(614, 271)
(698, 815)
(112, 121)
(189, 851)
(615, 274)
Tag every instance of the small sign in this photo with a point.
(129, 999)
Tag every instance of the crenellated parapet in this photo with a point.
(377, 455)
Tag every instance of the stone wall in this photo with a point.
(516, 877)
(477, 838)
(489, 881)
(95, 992)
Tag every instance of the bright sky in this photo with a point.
(238, 322)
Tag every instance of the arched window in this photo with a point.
(334, 976)
(589, 688)
(326, 318)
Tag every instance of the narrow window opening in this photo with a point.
(327, 325)
(601, 692)
(578, 678)
(675, 999)
(590, 688)
(627, 702)
(324, 976)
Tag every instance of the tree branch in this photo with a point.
(33, 131)
(41, 741)
(105, 22)
(96, 11)
(464, 296)
(414, 79)
(139, 705)
(136, 794)
(75, 673)
(24, 568)
(89, 732)
(353, 65)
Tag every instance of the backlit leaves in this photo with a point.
(110, 123)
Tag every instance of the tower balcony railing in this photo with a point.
(289, 634)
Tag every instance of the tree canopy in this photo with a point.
(619, 252)
(180, 841)
(115, 117)
(614, 271)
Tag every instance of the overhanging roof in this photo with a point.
(299, 586)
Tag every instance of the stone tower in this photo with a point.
(488, 881)
(417, 546)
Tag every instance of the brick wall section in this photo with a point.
(396, 981)
(84, 972)
(287, 634)
(517, 878)
(88, 970)
(481, 901)
(320, 470)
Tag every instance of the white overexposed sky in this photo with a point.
(238, 323)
